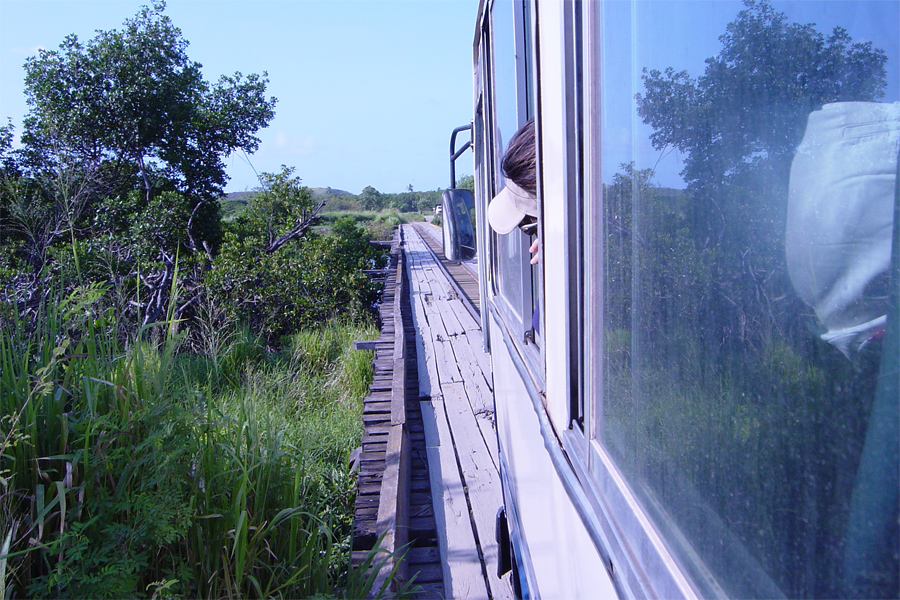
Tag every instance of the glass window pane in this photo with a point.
(750, 316)
(508, 248)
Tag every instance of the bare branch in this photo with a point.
(297, 232)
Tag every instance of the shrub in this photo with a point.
(311, 281)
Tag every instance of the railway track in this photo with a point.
(393, 502)
(461, 274)
(394, 505)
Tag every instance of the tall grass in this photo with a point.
(143, 470)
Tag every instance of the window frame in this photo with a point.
(519, 328)
(623, 526)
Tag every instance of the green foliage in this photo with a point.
(739, 125)
(740, 122)
(311, 281)
(371, 199)
(134, 97)
(181, 459)
(408, 201)
(355, 240)
(466, 182)
(234, 204)
(121, 165)
(755, 95)
(158, 224)
(277, 206)
(343, 204)
(127, 472)
(304, 281)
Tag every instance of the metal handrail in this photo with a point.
(454, 154)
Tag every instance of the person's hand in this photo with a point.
(534, 249)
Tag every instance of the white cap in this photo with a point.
(510, 206)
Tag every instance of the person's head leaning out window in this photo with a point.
(516, 204)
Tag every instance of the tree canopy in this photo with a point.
(749, 107)
(133, 100)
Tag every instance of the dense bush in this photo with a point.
(312, 280)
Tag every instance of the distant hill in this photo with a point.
(234, 203)
(327, 192)
(239, 196)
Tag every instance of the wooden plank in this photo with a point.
(424, 353)
(465, 280)
(455, 358)
(478, 393)
(393, 506)
(364, 344)
(469, 322)
(426, 573)
(373, 407)
(433, 332)
(398, 383)
(461, 564)
(463, 415)
(481, 479)
(418, 556)
(376, 419)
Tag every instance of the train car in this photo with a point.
(696, 387)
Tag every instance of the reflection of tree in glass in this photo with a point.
(739, 124)
(712, 370)
(749, 109)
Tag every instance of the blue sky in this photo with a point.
(368, 90)
(657, 34)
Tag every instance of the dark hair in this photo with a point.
(519, 162)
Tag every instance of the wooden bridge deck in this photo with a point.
(463, 275)
(454, 380)
(447, 383)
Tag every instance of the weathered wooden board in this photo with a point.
(392, 526)
(460, 439)
(457, 347)
(478, 389)
(461, 560)
(482, 481)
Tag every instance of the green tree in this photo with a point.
(428, 200)
(122, 158)
(7, 160)
(466, 182)
(134, 100)
(404, 201)
(276, 276)
(748, 110)
(307, 282)
(371, 199)
(281, 210)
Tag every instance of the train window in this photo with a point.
(512, 277)
(748, 377)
